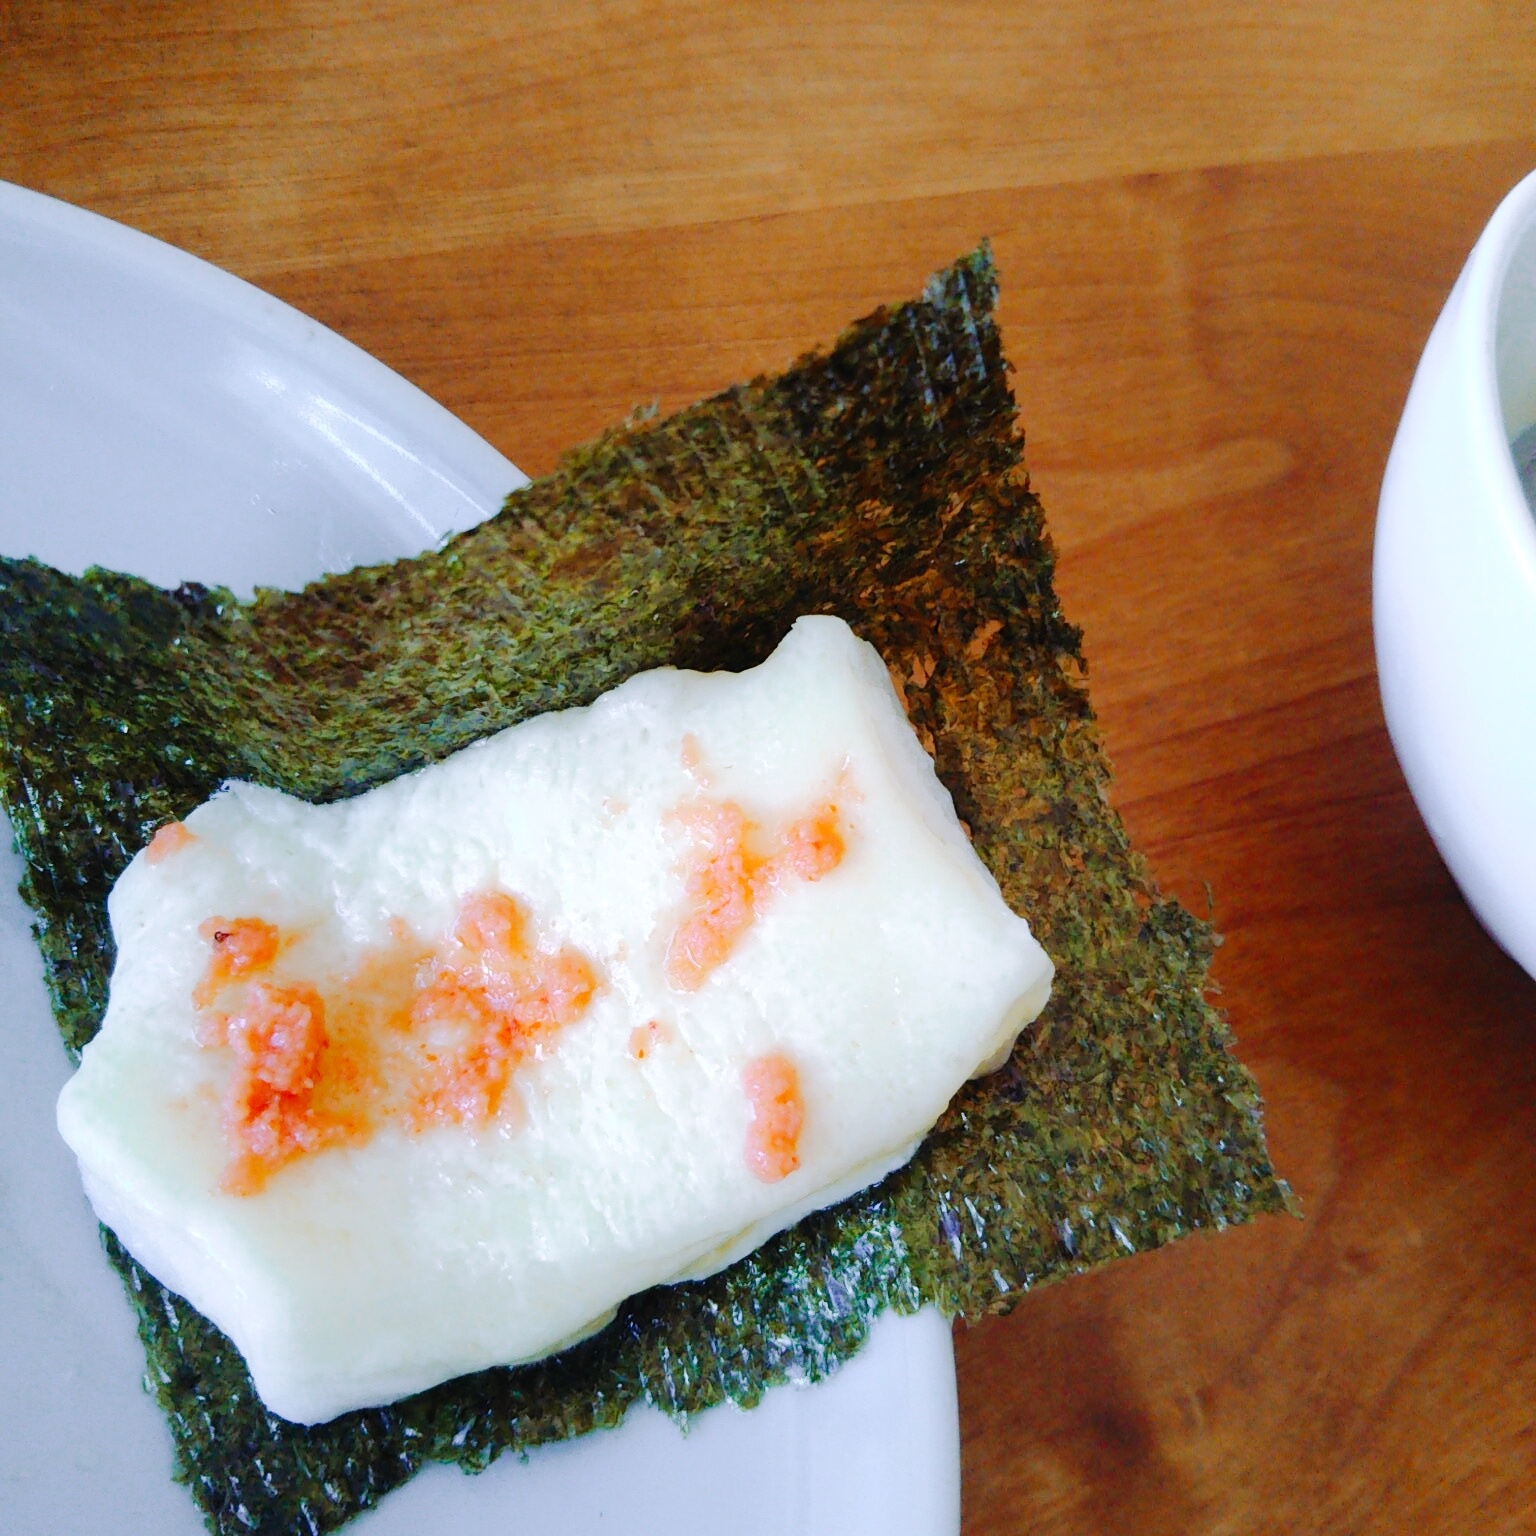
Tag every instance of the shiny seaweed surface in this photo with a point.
(882, 481)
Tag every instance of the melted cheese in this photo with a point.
(404, 1086)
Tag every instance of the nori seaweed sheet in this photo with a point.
(884, 482)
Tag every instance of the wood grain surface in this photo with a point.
(1224, 231)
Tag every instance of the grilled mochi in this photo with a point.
(428, 1080)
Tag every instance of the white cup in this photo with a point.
(1455, 581)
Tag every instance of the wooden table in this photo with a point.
(1224, 231)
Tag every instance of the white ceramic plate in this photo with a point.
(161, 417)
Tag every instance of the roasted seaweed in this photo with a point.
(883, 482)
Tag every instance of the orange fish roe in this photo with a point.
(813, 846)
(278, 1037)
(719, 886)
(778, 1112)
(492, 1001)
(414, 1035)
(727, 881)
(242, 946)
(169, 839)
(645, 1038)
(692, 756)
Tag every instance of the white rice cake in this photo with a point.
(766, 957)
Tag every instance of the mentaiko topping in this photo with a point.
(412, 1036)
(728, 877)
(402, 1086)
(773, 1138)
(242, 946)
(169, 839)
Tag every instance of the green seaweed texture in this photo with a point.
(882, 481)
